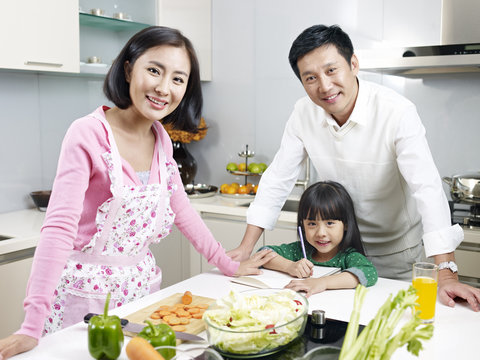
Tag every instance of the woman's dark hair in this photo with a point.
(329, 200)
(116, 88)
(316, 36)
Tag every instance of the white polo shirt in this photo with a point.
(382, 158)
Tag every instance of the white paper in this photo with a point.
(276, 279)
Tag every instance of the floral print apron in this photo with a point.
(117, 258)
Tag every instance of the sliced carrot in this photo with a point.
(179, 328)
(187, 298)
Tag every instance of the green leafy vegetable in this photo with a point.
(377, 340)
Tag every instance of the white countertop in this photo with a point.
(454, 335)
(23, 227)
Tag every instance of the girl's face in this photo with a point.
(325, 236)
(158, 80)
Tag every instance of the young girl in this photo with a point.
(327, 219)
(117, 190)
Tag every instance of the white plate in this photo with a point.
(238, 196)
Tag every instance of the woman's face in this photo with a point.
(325, 236)
(158, 80)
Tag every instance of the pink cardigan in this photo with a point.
(80, 187)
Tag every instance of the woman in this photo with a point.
(117, 190)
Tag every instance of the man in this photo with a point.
(371, 140)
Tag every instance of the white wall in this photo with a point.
(251, 95)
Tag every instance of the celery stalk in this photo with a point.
(377, 341)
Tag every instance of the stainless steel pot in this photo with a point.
(465, 187)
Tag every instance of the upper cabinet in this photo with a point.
(194, 19)
(35, 37)
(65, 36)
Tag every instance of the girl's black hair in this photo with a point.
(116, 88)
(329, 200)
(316, 36)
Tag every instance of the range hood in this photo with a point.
(458, 50)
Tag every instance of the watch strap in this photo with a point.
(448, 265)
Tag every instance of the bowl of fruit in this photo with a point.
(244, 169)
(235, 190)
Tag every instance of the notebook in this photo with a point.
(276, 279)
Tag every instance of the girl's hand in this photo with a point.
(16, 344)
(309, 286)
(251, 266)
(300, 269)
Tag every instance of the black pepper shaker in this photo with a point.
(317, 328)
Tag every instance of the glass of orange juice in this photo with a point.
(424, 280)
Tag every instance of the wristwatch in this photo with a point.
(448, 265)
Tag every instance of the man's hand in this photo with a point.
(16, 344)
(251, 266)
(450, 288)
(250, 238)
(240, 253)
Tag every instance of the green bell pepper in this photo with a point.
(105, 335)
(160, 335)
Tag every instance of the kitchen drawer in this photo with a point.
(467, 256)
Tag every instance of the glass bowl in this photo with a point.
(256, 323)
(188, 353)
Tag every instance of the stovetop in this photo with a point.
(331, 334)
(465, 214)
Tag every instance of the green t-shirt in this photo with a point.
(350, 260)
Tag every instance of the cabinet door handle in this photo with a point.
(40, 63)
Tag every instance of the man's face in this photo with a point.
(330, 81)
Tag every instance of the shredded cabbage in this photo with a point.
(251, 324)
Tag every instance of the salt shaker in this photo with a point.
(317, 328)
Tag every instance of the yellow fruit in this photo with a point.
(235, 186)
(255, 188)
(242, 167)
(223, 188)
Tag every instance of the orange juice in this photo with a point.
(427, 296)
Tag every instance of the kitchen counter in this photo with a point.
(23, 229)
(454, 336)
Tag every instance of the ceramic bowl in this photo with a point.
(41, 198)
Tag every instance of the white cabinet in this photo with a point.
(172, 255)
(14, 273)
(40, 35)
(228, 230)
(283, 233)
(194, 19)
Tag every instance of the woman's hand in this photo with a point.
(16, 344)
(309, 286)
(301, 269)
(251, 266)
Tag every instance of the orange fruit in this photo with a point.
(255, 188)
(242, 167)
(249, 187)
(243, 190)
(231, 190)
(235, 186)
